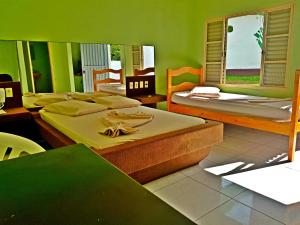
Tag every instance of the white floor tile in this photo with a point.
(218, 183)
(238, 145)
(208, 198)
(271, 181)
(191, 198)
(215, 155)
(235, 213)
(164, 181)
(256, 137)
(197, 168)
(289, 215)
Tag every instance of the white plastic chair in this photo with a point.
(14, 146)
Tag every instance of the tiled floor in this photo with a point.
(209, 199)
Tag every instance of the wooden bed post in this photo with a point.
(169, 88)
(294, 118)
(201, 78)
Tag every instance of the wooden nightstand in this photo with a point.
(17, 121)
(150, 100)
(14, 114)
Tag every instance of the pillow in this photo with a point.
(87, 96)
(74, 108)
(116, 102)
(43, 101)
(205, 90)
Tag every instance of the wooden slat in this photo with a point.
(107, 80)
(183, 70)
(186, 85)
(138, 72)
(237, 119)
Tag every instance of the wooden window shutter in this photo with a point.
(214, 49)
(276, 45)
(137, 57)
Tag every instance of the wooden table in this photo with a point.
(73, 185)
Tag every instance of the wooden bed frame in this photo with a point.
(290, 128)
(106, 80)
(153, 157)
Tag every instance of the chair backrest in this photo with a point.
(106, 80)
(5, 78)
(14, 146)
(138, 72)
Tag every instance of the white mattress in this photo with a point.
(119, 89)
(275, 109)
(85, 129)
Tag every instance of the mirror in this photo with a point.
(41, 70)
(89, 57)
(9, 59)
(44, 67)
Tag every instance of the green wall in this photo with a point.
(9, 59)
(60, 55)
(175, 27)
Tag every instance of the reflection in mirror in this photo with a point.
(89, 57)
(40, 64)
(44, 67)
(47, 66)
(28, 62)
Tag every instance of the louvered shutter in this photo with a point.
(214, 48)
(137, 57)
(276, 43)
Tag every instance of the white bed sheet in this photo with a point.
(279, 110)
(85, 129)
(112, 88)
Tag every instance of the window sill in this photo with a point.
(257, 90)
(252, 87)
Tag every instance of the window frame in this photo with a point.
(224, 47)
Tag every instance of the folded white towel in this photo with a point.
(118, 129)
(205, 90)
(119, 123)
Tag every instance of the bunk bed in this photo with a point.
(289, 127)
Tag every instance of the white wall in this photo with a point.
(243, 51)
(148, 52)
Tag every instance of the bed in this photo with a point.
(139, 84)
(284, 120)
(168, 143)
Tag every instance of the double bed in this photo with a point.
(279, 116)
(168, 143)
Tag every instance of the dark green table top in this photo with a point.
(73, 185)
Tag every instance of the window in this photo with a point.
(244, 44)
(252, 48)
